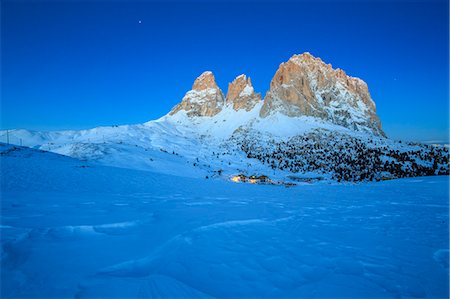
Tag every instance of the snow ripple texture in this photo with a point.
(70, 229)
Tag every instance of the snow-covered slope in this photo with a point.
(232, 142)
(131, 146)
(72, 229)
(172, 144)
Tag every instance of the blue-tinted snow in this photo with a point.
(70, 229)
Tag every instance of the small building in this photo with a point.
(253, 179)
(263, 179)
(239, 178)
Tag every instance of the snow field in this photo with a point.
(73, 229)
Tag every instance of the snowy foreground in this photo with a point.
(71, 229)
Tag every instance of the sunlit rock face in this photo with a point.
(205, 98)
(302, 86)
(306, 86)
(241, 94)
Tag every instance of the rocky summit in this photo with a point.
(241, 94)
(302, 86)
(205, 98)
(305, 85)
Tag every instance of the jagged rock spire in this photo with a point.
(302, 86)
(205, 98)
(241, 94)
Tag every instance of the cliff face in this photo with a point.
(302, 86)
(306, 86)
(205, 98)
(241, 94)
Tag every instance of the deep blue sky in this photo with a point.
(76, 64)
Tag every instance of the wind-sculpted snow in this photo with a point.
(72, 229)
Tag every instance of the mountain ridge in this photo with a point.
(209, 134)
(302, 86)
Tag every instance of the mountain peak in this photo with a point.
(302, 86)
(305, 58)
(204, 81)
(205, 98)
(307, 86)
(241, 94)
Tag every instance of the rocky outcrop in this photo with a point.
(205, 98)
(302, 86)
(241, 94)
(306, 86)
